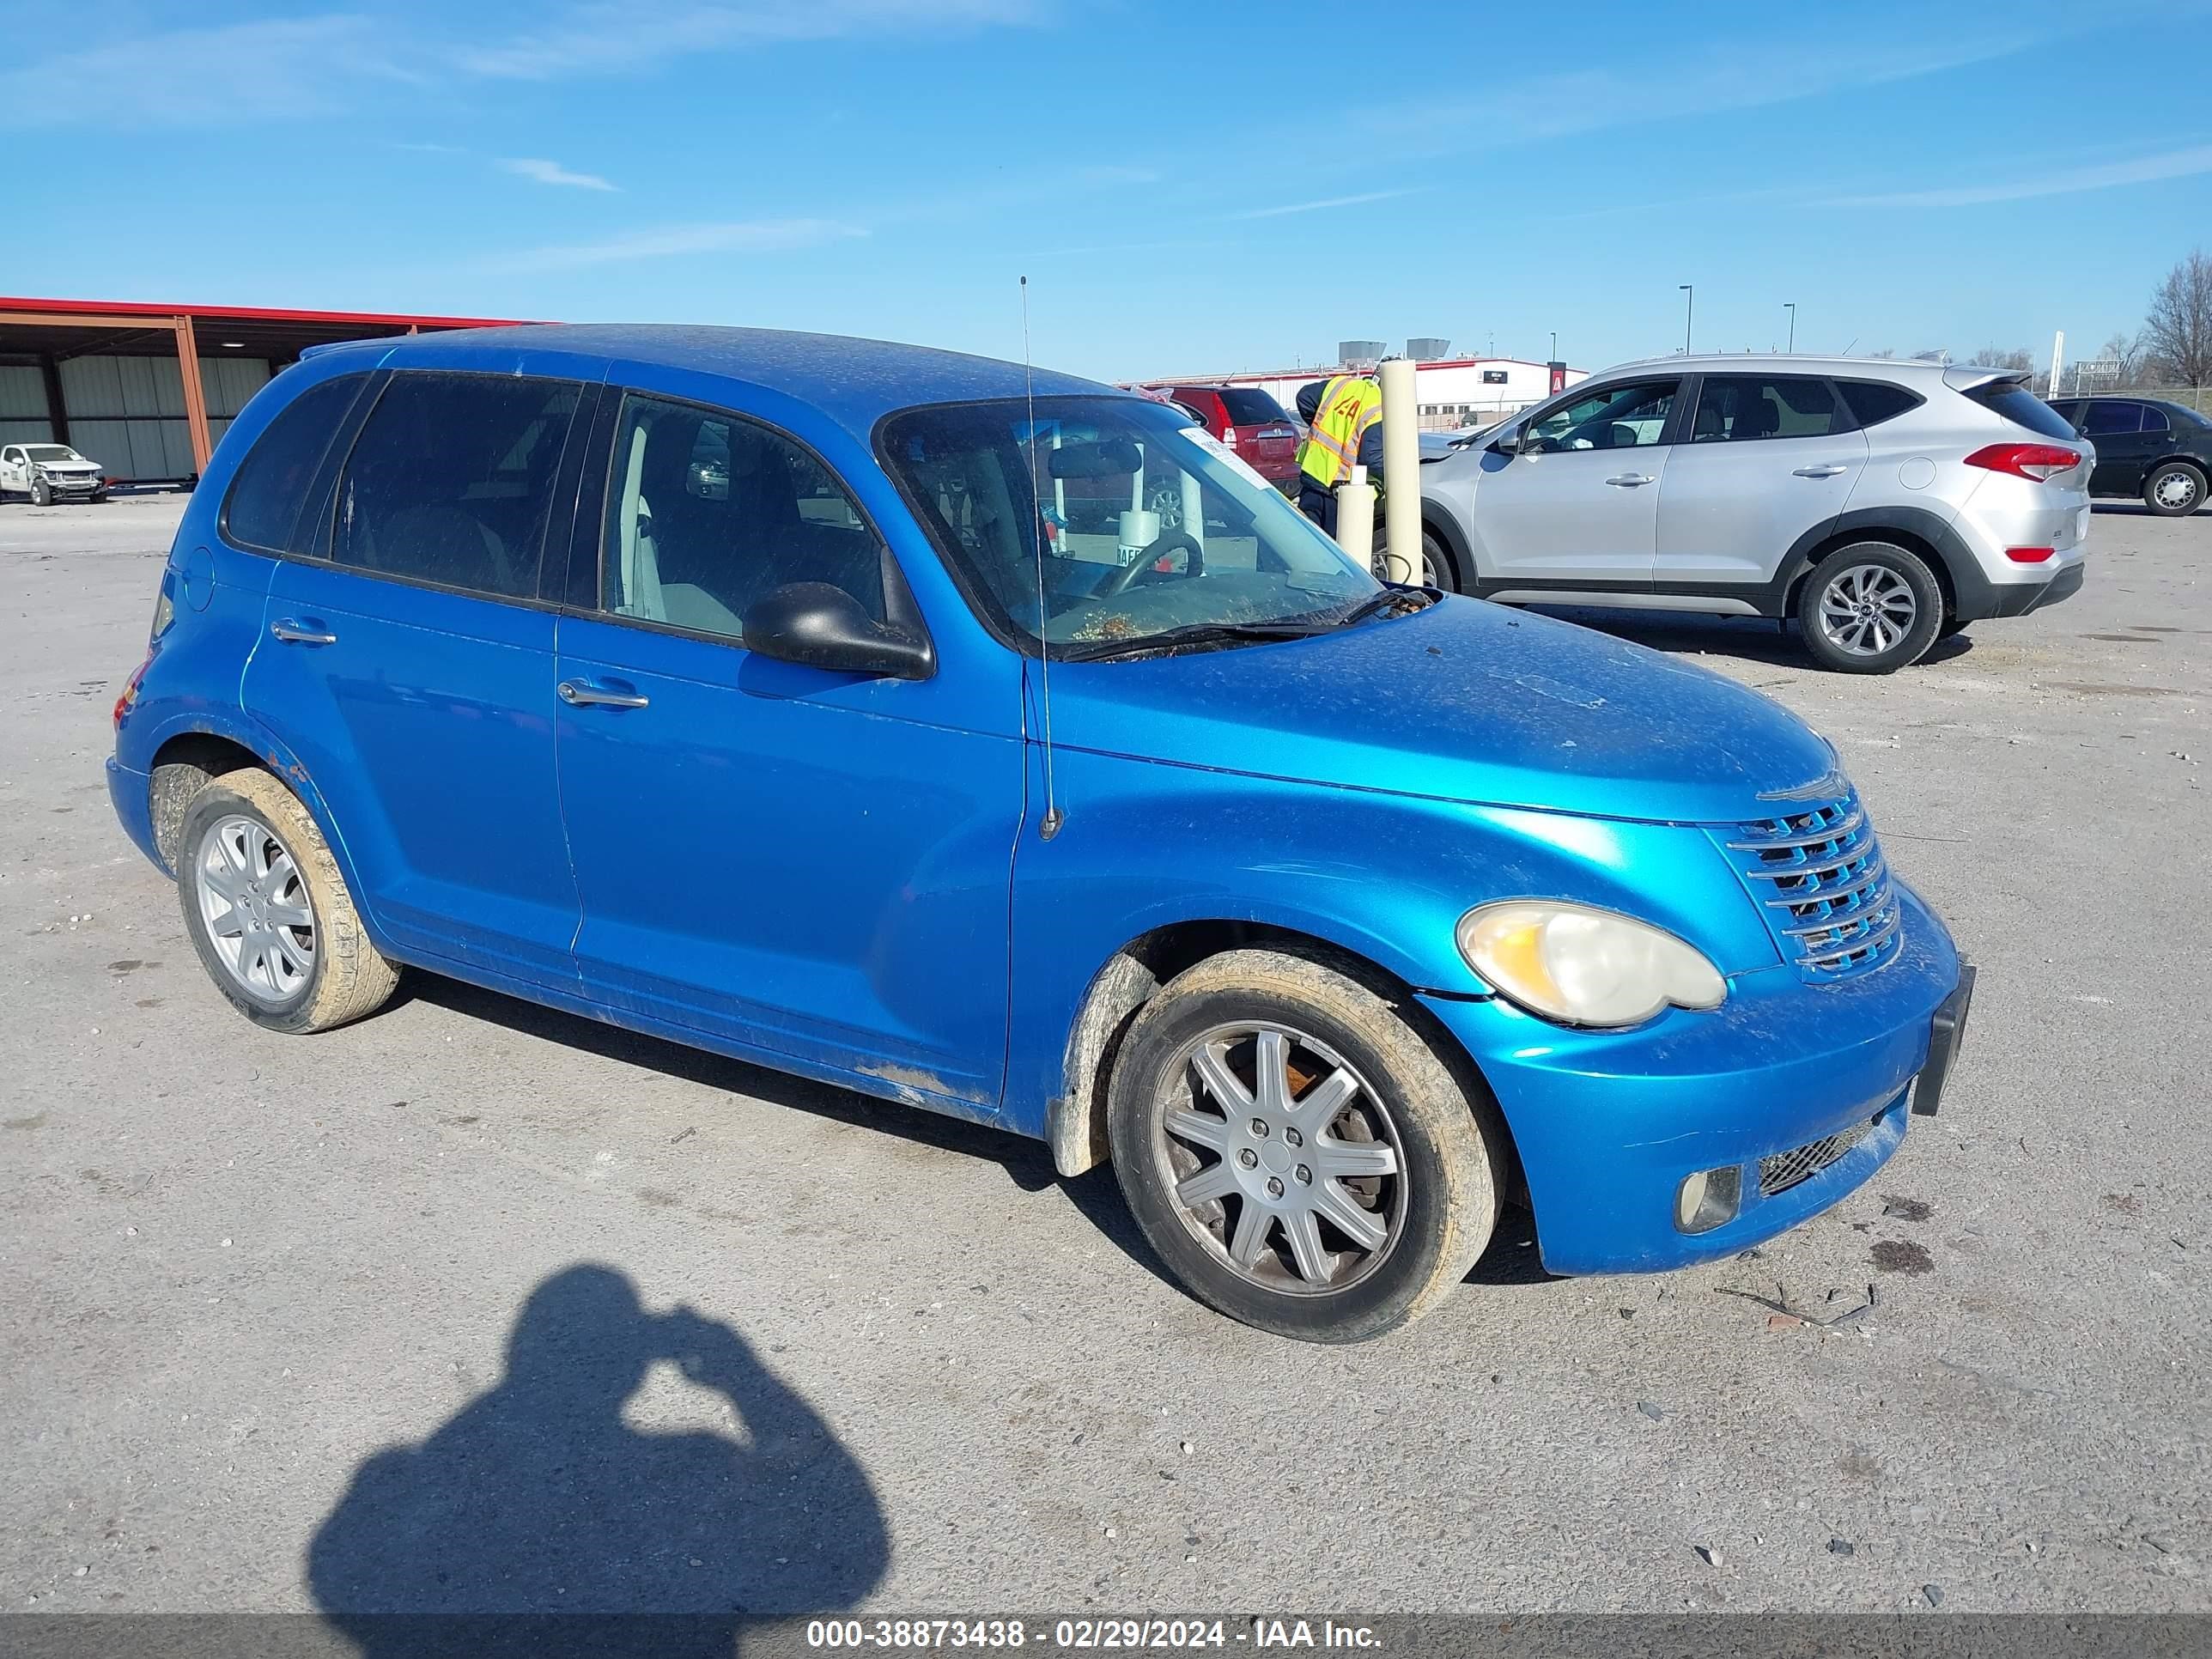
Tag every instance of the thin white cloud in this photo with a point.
(552, 173)
(598, 38)
(275, 69)
(2065, 182)
(671, 241)
(1329, 201)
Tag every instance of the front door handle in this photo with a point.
(292, 631)
(581, 693)
(1631, 480)
(1819, 471)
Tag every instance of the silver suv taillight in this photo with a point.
(2037, 463)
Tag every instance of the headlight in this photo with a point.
(1582, 966)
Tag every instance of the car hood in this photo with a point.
(1463, 701)
(68, 466)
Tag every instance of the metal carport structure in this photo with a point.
(156, 383)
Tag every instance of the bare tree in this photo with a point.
(2177, 334)
(2126, 355)
(2018, 357)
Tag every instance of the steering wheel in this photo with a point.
(1126, 578)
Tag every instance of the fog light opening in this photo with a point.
(1708, 1199)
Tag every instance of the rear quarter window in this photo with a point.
(262, 509)
(1872, 401)
(2016, 403)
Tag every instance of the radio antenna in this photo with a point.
(1049, 826)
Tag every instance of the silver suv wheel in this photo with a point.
(1866, 610)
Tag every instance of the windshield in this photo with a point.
(51, 452)
(1150, 527)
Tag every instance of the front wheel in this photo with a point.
(1296, 1152)
(42, 493)
(268, 910)
(1870, 608)
(2174, 491)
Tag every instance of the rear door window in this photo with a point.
(1249, 406)
(263, 508)
(1734, 408)
(451, 481)
(2016, 403)
(2108, 418)
(2154, 419)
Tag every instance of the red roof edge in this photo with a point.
(249, 314)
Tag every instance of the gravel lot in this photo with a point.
(937, 1378)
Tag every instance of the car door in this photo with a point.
(13, 475)
(1578, 505)
(2115, 425)
(813, 864)
(409, 667)
(1769, 462)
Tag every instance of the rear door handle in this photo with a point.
(578, 694)
(1819, 471)
(293, 631)
(1631, 480)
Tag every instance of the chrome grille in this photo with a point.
(1819, 878)
(1780, 1171)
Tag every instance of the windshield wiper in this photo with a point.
(1376, 603)
(1206, 633)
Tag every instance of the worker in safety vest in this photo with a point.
(1343, 418)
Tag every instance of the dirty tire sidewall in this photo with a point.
(1927, 595)
(2160, 483)
(1439, 561)
(350, 979)
(1452, 1180)
(42, 494)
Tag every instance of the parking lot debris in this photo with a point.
(1934, 1593)
(1783, 1321)
(1649, 1410)
(1710, 1555)
(1842, 1547)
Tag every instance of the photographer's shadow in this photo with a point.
(537, 1520)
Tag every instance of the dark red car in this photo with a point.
(1249, 422)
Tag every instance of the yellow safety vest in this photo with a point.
(1350, 403)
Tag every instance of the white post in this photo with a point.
(1402, 469)
(2058, 362)
(1355, 517)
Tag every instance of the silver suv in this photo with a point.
(1884, 504)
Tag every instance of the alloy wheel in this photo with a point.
(255, 904)
(1867, 609)
(1283, 1162)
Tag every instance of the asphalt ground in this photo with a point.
(922, 1374)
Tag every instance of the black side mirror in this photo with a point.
(819, 626)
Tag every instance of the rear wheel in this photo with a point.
(1869, 608)
(2175, 490)
(268, 910)
(1295, 1152)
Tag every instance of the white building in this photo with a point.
(1453, 392)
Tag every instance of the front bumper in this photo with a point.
(76, 486)
(1608, 1124)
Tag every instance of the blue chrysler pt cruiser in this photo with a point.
(999, 744)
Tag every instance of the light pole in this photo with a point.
(1689, 312)
(1555, 345)
(1790, 305)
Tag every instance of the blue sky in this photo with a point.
(1188, 187)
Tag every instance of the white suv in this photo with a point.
(1884, 504)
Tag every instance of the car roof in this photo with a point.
(1740, 362)
(856, 382)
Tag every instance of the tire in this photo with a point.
(2174, 490)
(42, 493)
(1416, 1172)
(97, 496)
(307, 978)
(1439, 568)
(1869, 608)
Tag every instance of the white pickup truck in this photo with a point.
(49, 472)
